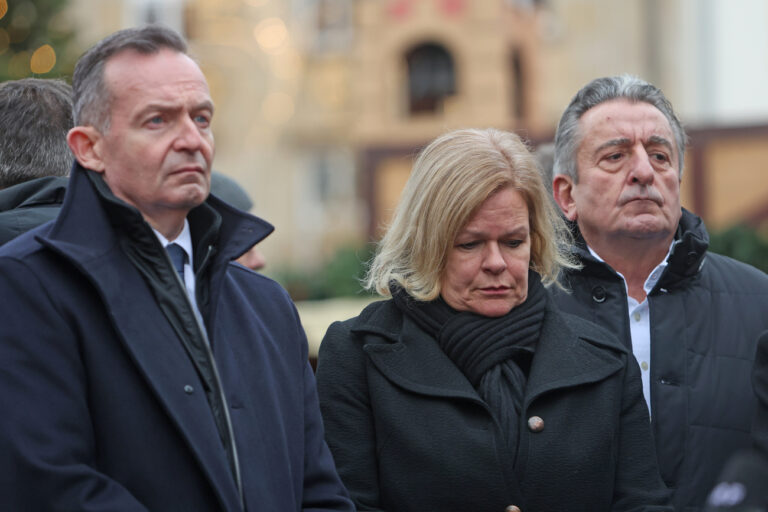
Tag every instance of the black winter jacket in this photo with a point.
(29, 204)
(706, 314)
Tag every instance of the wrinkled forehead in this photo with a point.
(635, 121)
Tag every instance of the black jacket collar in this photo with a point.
(38, 192)
(92, 217)
(685, 261)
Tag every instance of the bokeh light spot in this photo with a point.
(3, 8)
(271, 34)
(43, 59)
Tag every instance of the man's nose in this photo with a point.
(641, 170)
(189, 136)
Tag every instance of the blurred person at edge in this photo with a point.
(690, 317)
(230, 191)
(35, 116)
(140, 368)
(743, 483)
(468, 389)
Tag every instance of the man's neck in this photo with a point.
(170, 226)
(634, 259)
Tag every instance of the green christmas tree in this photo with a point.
(35, 39)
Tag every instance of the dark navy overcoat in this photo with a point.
(102, 408)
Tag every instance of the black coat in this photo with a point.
(410, 433)
(29, 204)
(706, 312)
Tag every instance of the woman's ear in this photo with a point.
(85, 142)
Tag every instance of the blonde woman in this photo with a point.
(467, 390)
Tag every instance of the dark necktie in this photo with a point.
(178, 257)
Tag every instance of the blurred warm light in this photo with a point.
(271, 34)
(3, 8)
(287, 66)
(257, 3)
(277, 108)
(5, 40)
(18, 65)
(43, 60)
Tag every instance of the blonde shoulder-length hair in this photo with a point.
(450, 179)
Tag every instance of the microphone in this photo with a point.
(742, 486)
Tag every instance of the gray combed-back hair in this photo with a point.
(92, 98)
(600, 90)
(35, 116)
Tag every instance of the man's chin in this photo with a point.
(649, 229)
(192, 197)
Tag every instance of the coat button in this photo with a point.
(535, 424)
(189, 389)
(512, 508)
(598, 294)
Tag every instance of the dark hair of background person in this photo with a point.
(35, 116)
(92, 97)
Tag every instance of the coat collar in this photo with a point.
(569, 353)
(38, 192)
(90, 207)
(687, 257)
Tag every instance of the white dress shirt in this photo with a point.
(640, 323)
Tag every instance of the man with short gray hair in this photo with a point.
(35, 116)
(690, 316)
(141, 368)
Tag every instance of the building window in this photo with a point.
(431, 78)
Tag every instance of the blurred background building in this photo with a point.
(321, 105)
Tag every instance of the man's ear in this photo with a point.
(562, 189)
(86, 144)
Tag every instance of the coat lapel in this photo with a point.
(565, 358)
(415, 362)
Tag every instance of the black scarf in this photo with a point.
(493, 353)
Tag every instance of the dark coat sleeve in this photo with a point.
(323, 489)
(638, 483)
(47, 443)
(347, 414)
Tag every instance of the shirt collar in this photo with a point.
(655, 274)
(184, 240)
